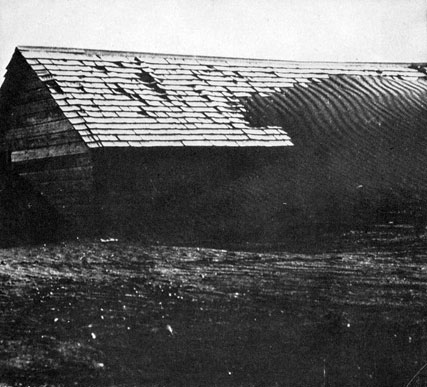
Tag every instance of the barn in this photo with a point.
(205, 148)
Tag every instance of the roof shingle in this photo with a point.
(137, 99)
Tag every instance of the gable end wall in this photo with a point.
(43, 146)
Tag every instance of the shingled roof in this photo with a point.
(136, 99)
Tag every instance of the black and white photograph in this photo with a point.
(213, 193)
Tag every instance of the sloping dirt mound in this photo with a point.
(25, 215)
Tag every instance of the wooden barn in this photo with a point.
(203, 148)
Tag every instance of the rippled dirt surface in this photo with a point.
(89, 313)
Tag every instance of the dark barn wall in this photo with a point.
(66, 183)
(192, 194)
(256, 194)
(262, 194)
(43, 146)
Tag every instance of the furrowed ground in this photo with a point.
(89, 313)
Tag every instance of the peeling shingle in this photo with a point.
(190, 101)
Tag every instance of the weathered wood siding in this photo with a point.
(43, 146)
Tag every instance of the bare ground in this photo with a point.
(92, 313)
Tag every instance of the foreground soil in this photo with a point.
(112, 313)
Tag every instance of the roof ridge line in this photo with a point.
(75, 50)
